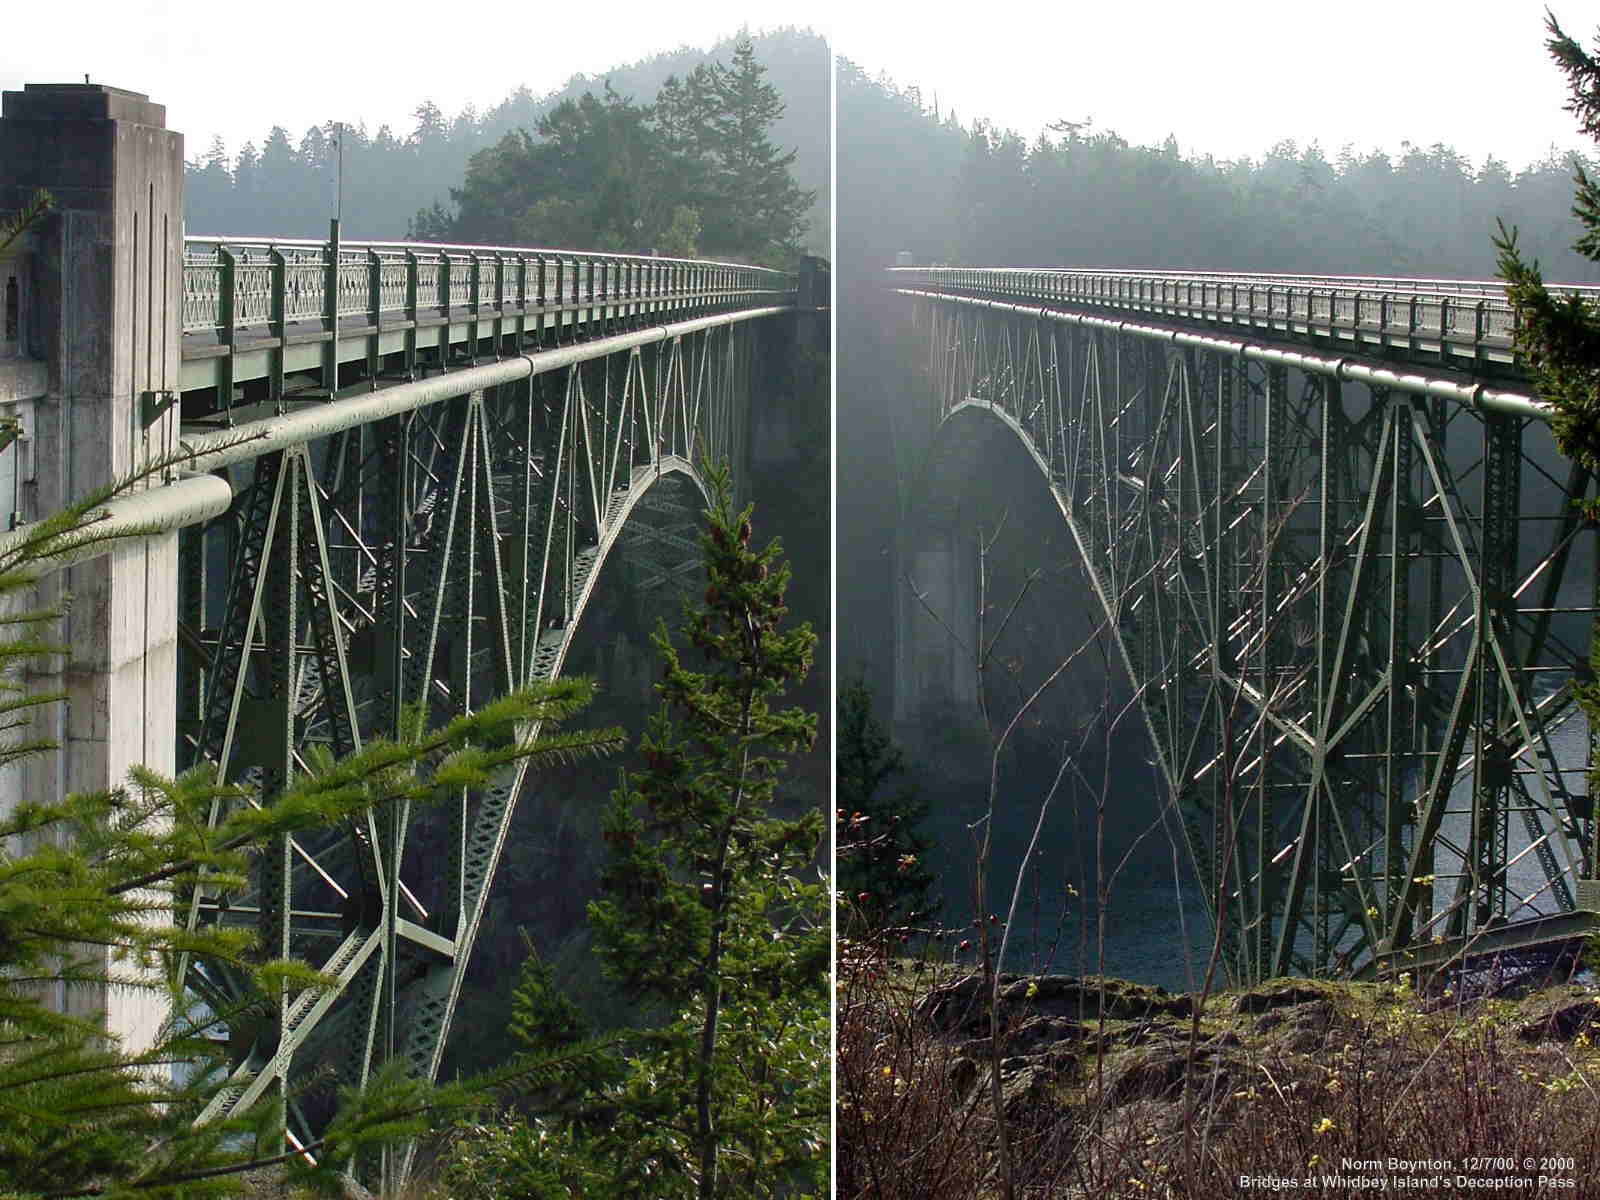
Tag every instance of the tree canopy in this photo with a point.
(277, 186)
(1557, 337)
(707, 925)
(696, 172)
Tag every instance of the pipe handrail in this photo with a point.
(469, 248)
(1468, 395)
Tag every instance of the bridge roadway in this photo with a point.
(1342, 564)
(364, 476)
(266, 309)
(1457, 324)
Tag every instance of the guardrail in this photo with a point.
(245, 283)
(1460, 323)
(257, 309)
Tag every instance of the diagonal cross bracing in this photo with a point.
(1347, 609)
(428, 528)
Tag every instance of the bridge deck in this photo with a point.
(247, 301)
(1464, 325)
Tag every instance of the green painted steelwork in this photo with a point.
(1458, 324)
(431, 452)
(257, 309)
(1352, 600)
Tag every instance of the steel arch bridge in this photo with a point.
(1343, 568)
(400, 470)
(422, 503)
(391, 476)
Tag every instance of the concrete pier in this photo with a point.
(104, 277)
(935, 658)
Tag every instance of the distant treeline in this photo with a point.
(1080, 196)
(287, 189)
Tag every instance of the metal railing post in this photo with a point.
(276, 327)
(227, 281)
(413, 287)
(330, 311)
(374, 317)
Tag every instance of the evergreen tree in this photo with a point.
(704, 914)
(89, 888)
(389, 178)
(1558, 338)
(248, 179)
(85, 1117)
(696, 170)
(881, 875)
(755, 209)
(592, 180)
(209, 183)
(679, 120)
(597, 176)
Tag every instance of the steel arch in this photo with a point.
(446, 553)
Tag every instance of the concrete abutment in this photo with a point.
(104, 275)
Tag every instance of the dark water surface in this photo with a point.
(1152, 936)
(1157, 931)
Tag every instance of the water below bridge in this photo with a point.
(1157, 930)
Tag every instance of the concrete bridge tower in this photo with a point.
(103, 280)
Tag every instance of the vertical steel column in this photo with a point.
(1397, 818)
(393, 494)
(413, 302)
(1333, 453)
(274, 890)
(590, 327)
(474, 302)
(1433, 740)
(276, 327)
(1274, 418)
(330, 310)
(442, 298)
(1502, 458)
(1223, 474)
(228, 298)
(541, 337)
(498, 321)
(374, 318)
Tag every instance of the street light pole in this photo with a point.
(338, 203)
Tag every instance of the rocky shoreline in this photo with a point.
(1125, 1081)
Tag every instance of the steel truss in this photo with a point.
(443, 552)
(1352, 613)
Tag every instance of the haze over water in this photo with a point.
(1157, 931)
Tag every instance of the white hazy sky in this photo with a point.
(236, 70)
(1229, 78)
(1232, 77)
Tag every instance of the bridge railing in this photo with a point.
(246, 283)
(1458, 322)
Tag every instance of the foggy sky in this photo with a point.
(235, 71)
(1231, 79)
(1228, 79)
